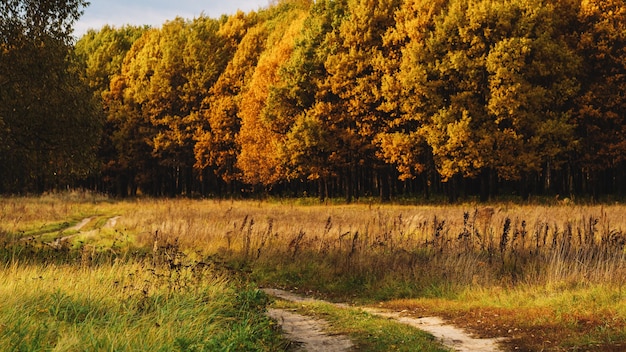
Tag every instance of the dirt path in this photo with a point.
(80, 225)
(451, 336)
(309, 333)
(56, 242)
(110, 223)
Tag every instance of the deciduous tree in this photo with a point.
(295, 102)
(404, 89)
(354, 84)
(494, 80)
(261, 133)
(601, 111)
(102, 54)
(216, 150)
(48, 121)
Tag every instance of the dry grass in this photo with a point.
(464, 245)
(548, 277)
(460, 245)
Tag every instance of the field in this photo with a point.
(185, 272)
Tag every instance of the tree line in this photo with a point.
(344, 98)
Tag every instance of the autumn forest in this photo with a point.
(325, 98)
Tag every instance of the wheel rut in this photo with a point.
(110, 223)
(309, 333)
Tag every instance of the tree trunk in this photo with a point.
(349, 184)
(385, 187)
(485, 185)
(322, 189)
(452, 189)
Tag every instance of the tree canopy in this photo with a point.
(335, 97)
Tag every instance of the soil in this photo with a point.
(111, 223)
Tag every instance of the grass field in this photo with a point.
(547, 276)
(108, 293)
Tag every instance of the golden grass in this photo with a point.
(122, 307)
(465, 244)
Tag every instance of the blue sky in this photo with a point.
(156, 12)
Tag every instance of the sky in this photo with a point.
(155, 12)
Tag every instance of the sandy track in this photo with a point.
(80, 225)
(309, 333)
(449, 335)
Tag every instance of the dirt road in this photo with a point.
(297, 329)
(309, 333)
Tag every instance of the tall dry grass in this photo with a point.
(377, 245)
(382, 247)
